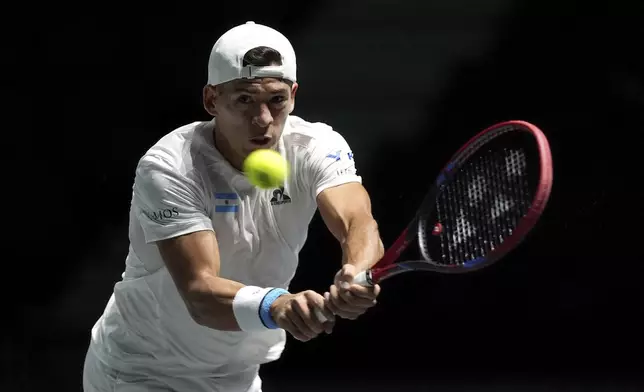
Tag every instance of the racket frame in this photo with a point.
(386, 267)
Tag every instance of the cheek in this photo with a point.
(232, 116)
(279, 119)
(281, 113)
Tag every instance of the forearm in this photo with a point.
(213, 301)
(210, 302)
(362, 246)
(227, 305)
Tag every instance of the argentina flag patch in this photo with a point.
(226, 202)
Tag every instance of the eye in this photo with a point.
(278, 99)
(244, 99)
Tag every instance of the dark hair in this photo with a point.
(262, 56)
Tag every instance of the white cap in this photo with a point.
(226, 57)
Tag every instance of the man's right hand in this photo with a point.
(295, 313)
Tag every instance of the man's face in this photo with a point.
(251, 113)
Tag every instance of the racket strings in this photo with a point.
(482, 205)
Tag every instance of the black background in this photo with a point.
(406, 83)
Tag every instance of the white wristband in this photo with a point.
(246, 308)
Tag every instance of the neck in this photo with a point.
(222, 145)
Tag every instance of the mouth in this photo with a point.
(261, 141)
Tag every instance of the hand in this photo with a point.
(295, 313)
(349, 300)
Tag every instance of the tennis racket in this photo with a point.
(482, 204)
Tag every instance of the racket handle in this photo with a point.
(320, 316)
(363, 278)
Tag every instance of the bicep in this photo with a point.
(190, 258)
(170, 207)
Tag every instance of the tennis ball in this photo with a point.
(265, 168)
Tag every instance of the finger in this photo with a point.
(320, 316)
(324, 309)
(328, 326)
(312, 326)
(344, 277)
(291, 328)
(329, 304)
(328, 314)
(324, 314)
(340, 307)
(353, 301)
(332, 305)
(370, 293)
(301, 326)
(337, 300)
(340, 299)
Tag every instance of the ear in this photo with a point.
(293, 93)
(209, 99)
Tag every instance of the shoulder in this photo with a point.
(174, 152)
(176, 163)
(312, 135)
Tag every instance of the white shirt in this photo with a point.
(183, 184)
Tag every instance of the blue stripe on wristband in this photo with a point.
(265, 307)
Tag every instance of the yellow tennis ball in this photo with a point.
(265, 168)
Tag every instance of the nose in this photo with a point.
(263, 118)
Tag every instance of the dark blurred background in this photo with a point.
(406, 82)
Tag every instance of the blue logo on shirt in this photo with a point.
(335, 155)
(338, 155)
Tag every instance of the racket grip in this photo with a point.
(363, 278)
(320, 316)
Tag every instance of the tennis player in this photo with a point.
(203, 299)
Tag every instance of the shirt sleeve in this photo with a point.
(331, 163)
(167, 203)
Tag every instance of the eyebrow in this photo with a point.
(248, 89)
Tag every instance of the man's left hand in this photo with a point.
(347, 299)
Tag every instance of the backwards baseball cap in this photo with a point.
(226, 58)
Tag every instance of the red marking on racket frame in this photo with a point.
(397, 248)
